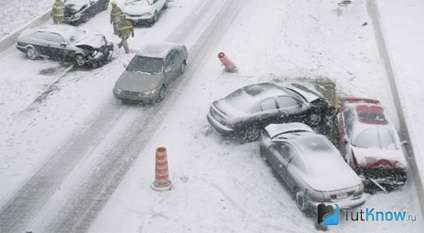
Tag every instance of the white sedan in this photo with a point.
(143, 11)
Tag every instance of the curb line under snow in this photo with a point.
(10, 39)
(378, 26)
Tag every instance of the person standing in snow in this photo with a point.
(115, 16)
(125, 29)
(58, 12)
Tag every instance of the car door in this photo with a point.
(55, 45)
(176, 59)
(290, 109)
(282, 155)
(268, 113)
(168, 69)
(39, 41)
(346, 123)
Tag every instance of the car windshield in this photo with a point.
(378, 138)
(146, 65)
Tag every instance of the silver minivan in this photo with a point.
(149, 73)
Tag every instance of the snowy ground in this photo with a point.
(220, 185)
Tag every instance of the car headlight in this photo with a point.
(148, 93)
(146, 14)
(117, 90)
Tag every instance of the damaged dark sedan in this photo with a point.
(249, 109)
(65, 43)
(80, 11)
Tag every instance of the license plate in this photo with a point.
(341, 195)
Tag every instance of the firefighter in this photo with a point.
(115, 16)
(58, 12)
(125, 29)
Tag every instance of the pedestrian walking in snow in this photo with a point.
(125, 29)
(58, 12)
(115, 16)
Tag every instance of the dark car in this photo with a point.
(249, 109)
(65, 42)
(370, 144)
(150, 72)
(311, 167)
(80, 11)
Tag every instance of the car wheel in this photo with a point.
(300, 201)
(262, 153)
(105, 6)
(251, 134)
(161, 94)
(31, 53)
(315, 119)
(182, 67)
(84, 18)
(79, 59)
(155, 17)
(166, 5)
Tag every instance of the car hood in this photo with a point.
(227, 109)
(138, 82)
(137, 7)
(92, 42)
(309, 94)
(367, 155)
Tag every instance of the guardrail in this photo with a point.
(10, 39)
(374, 13)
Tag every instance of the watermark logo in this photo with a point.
(328, 214)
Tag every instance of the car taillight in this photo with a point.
(382, 163)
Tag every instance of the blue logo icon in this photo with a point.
(328, 214)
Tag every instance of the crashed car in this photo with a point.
(370, 144)
(80, 11)
(66, 43)
(143, 11)
(249, 109)
(311, 166)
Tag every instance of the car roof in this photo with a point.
(158, 50)
(264, 90)
(57, 28)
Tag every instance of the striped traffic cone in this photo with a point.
(162, 181)
(229, 66)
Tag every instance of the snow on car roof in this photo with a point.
(279, 129)
(157, 49)
(66, 31)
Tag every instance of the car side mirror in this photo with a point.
(168, 69)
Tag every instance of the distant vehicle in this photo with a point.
(65, 42)
(249, 109)
(80, 11)
(370, 144)
(311, 167)
(149, 73)
(143, 11)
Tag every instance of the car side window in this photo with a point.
(40, 35)
(298, 162)
(286, 102)
(56, 38)
(286, 150)
(268, 105)
(168, 61)
(349, 126)
(175, 55)
(347, 113)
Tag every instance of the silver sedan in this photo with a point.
(311, 166)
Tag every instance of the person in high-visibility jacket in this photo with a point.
(115, 16)
(125, 29)
(58, 12)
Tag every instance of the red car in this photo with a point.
(370, 144)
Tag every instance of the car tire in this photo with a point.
(80, 60)
(300, 200)
(161, 95)
(105, 6)
(31, 53)
(262, 153)
(166, 5)
(251, 134)
(315, 119)
(155, 18)
(182, 67)
(84, 18)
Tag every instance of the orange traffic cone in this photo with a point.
(229, 66)
(162, 181)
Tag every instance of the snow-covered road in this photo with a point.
(66, 158)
